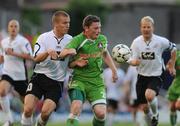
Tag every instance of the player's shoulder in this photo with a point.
(138, 39)
(159, 38)
(5, 40)
(101, 36)
(22, 39)
(67, 36)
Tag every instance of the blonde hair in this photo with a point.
(148, 19)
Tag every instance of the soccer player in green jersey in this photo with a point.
(87, 82)
(174, 93)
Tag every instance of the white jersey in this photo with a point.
(113, 88)
(150, 54)
(131, 76)
(54, 69)
(14, 66)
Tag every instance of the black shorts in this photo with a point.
(134, 103)
(112, 103)
(20, 86)
(143, 83)
(41, 85)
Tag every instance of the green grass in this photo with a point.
(89, 124)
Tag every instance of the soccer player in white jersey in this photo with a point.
(49, 72)
(113, 93)
(147, 52)
(15, 49)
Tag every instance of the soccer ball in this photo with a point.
(121, 53)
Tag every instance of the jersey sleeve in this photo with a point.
(134, 50)
(39, 47)
(167, 45)
(26, 47)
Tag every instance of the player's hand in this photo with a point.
(53, 54)
(72, 52)
(81, 62)
(114, 76)
(170, 67)
(9, 51)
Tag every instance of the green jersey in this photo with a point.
(174, 90)
(92, 50)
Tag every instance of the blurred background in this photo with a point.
(120, 23)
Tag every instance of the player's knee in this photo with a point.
(28, 111)
(2, 93)
(150, 94)
(178, 105)
(100, 114)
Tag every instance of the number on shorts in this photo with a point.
(29, 88)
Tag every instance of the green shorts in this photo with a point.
(81, 90)
(174, 91)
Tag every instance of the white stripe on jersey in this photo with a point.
(14, 66)
(54, 69)
(150, 55)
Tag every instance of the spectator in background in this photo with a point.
(113, 92)
(15, 49)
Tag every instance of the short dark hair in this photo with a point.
(88, 20)
(57, 14)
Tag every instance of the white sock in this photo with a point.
(139, 120)
(26, 120)
(154, 106)
(39, 120)
(147, 118)
(110, 119)
(5, 104)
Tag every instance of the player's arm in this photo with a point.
(1, 54)
(1, 59)
(108, 60)
(134, 59)
(171, 63)
(81, 62)
(65, 52)
(9, 51)
(40, 57)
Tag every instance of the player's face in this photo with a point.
(61, 26)
(147, 29)
(93, 30)
(13, 28)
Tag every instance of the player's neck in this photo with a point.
(12, 37)
(58, 35)
(87, 36)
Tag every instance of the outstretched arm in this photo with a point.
(108, 60)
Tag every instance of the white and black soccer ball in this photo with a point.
(121, 53)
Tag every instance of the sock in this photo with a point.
(27, 121)
(147, 118)
(110, 119)
(154, 106)
(97, 122)
(139, 118)
(5, 104)
(72, 120)
(41, 121)
(173, 118)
